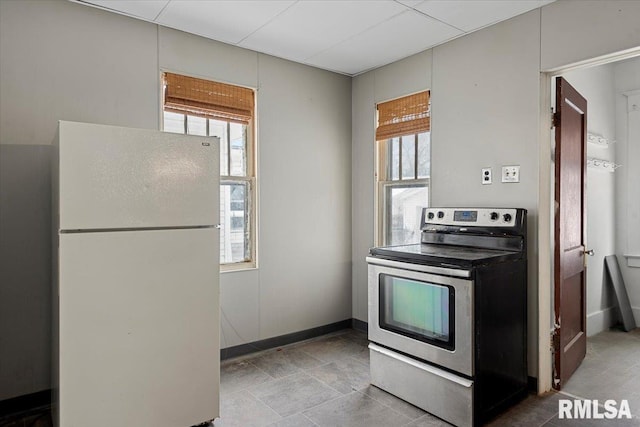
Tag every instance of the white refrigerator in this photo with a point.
(136, 276)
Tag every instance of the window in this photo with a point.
(200, 107)
(420, 310)
(404, 167)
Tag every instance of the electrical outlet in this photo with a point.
(486, 176)
(511, 174)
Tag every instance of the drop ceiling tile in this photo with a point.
(145, 9)
(224, 20)
(396, 38)
(312, 26)
(471, 15)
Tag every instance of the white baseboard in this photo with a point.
(602, 320)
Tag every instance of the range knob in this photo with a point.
(440, 215)
(507, 217)
(494, 216)
(430, 215)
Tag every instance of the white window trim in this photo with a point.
(251, 178)
(381, 183)
(252, 162)
(253, 209)
(382, 204)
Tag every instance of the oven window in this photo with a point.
(420, 310)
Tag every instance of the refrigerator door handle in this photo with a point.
(218, 226)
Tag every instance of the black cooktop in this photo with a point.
(430, 254)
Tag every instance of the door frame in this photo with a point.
(546, 214)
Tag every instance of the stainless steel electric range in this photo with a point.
(448, 316)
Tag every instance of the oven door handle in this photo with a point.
(422, 366)
(419, 267)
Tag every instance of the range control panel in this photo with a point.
(476, 217)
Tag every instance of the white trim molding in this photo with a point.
(601, 320)
(633, 260)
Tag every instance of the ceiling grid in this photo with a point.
(345, 36)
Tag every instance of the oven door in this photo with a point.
(422, 314)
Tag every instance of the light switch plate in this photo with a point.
(486, 176)
(511, 174)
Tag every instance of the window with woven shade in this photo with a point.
(403, 116)
(403, 136)
(205, 98)
(207, 108)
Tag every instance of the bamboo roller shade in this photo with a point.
(189, 95)
(403, 116)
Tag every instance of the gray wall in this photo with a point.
(25, 261)
(487, 110)
(410, 75)
(57, 61)
(60, 60)
(476, 122)
(596, 84)
(304, 179)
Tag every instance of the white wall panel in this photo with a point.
(239, 308)
(627, 79)
(25, 269)
(575, 31)
(61, 61)
(196, 56)
(363, 186)
(401, 78)
(305, 196)
(58, 61)
(485, 104)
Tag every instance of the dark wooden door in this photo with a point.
(570, 338)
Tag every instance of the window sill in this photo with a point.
(237, 267)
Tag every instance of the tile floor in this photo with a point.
(611, 369)
(325, 382)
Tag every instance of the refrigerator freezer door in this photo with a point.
(139, 328)
(114, 178)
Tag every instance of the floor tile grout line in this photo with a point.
(310, 420)
(261, 370)
(309, 354)
(359, 361)
(392, 409)
(265, 404)
(269, 380)
(327, 384)
(299, 370)
(306, 409)
(548, 420)
(325, 402)
(329, 363)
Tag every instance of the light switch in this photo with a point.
(511, 174)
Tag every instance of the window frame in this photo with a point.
(250, 177)
(384, 183)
